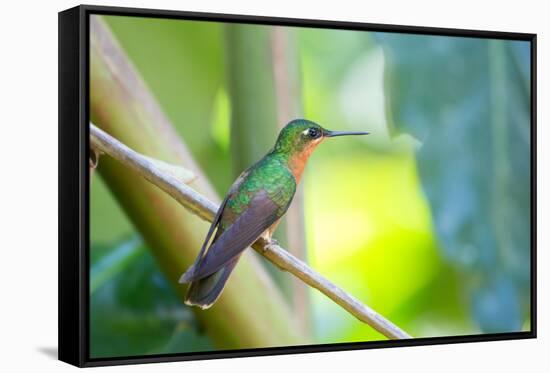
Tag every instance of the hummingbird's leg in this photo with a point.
(267, 237)
(268, 234)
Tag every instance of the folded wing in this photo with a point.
(262, 212)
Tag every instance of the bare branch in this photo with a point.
(205, 209)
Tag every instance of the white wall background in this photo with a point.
(28, 184)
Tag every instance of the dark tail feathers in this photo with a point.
(204, 292)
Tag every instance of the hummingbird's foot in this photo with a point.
(272, 242)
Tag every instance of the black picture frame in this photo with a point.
(74, 186)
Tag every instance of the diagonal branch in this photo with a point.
(205, 209)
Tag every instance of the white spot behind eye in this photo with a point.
(305, 132)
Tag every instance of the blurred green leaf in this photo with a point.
(109, 222)
(465, 99)
(105, 268)
(134, 311)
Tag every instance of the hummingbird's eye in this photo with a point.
(313, 132)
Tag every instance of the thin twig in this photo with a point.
(205, 209)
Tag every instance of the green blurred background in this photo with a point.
(427, 220)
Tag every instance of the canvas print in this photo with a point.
(257, 186)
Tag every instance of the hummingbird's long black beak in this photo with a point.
(328, 133)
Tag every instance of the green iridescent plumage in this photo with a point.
(270, 175)
(253, 206)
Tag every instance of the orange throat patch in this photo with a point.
(297, 161)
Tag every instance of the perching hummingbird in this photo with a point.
(253, 207)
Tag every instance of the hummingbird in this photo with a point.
(252, 208)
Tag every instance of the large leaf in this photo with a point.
(467, 100)
(134, 310)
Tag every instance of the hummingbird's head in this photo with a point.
(299, 138)
(302, 136)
